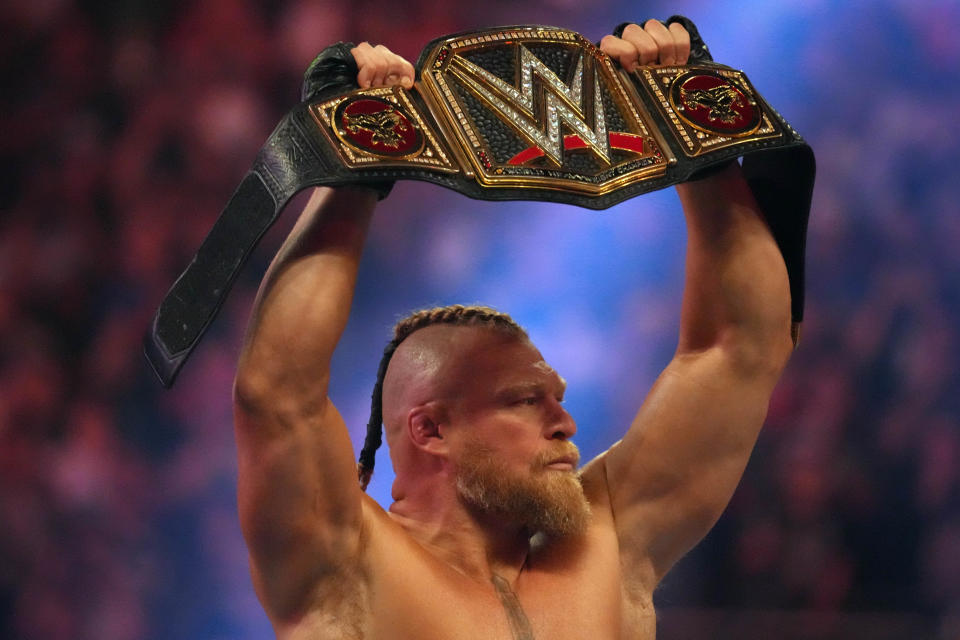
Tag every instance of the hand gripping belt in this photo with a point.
(513, 113)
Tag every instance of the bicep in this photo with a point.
(298, 496)
(677, 467)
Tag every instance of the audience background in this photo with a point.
(125, 128)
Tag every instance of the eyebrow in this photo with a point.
(546, 368)
(529, 387)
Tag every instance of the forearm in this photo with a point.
(304, 300)
(736, 291)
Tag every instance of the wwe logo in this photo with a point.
(562, 103)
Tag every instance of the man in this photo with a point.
(492, 534)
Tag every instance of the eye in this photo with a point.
(526, 401)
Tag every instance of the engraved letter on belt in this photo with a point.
(541, 107)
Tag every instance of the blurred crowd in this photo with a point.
(126, 125)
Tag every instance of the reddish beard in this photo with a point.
(543, 500)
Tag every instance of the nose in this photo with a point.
(562, 425)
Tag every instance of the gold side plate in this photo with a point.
(430, 151)
(696, 136)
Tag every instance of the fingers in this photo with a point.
(620, 50)
(653, 43)
(681, 38)
(380, 67)
(667, 49)
(648, 49)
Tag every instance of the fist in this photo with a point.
(650, 44)
(380, 67)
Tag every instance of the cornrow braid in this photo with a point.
(457, 315)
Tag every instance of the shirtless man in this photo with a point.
(493, 535)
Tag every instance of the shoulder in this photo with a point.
(593, 477)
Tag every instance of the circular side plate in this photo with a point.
(377, 126)
(710, 102)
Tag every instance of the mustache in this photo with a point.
(566, 450)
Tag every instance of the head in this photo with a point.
(468, 401)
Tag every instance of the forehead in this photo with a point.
(490, 357)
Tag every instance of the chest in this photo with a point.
(580, 602)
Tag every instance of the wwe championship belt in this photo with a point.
(514, 113)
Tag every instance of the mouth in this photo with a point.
(565, 463)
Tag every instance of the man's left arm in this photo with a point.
(675, 470)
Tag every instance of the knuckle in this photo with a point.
(613, 45)
(653, 26)
(632, 30)
(628, 62)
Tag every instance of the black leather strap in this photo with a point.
(197, 295)
(782, 183)
(333, 71)
(322, 142)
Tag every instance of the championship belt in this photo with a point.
(513, 113)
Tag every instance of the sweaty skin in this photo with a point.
(328, 562)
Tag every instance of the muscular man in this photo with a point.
(493, 534)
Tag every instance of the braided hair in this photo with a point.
(455, 315)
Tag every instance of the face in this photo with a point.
(514, 458)
(541, 499)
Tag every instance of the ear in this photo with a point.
(426, 425)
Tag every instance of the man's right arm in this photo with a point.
(299, 499)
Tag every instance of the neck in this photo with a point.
(477, 545)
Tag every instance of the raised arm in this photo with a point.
(299, 500)
(677, 466)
